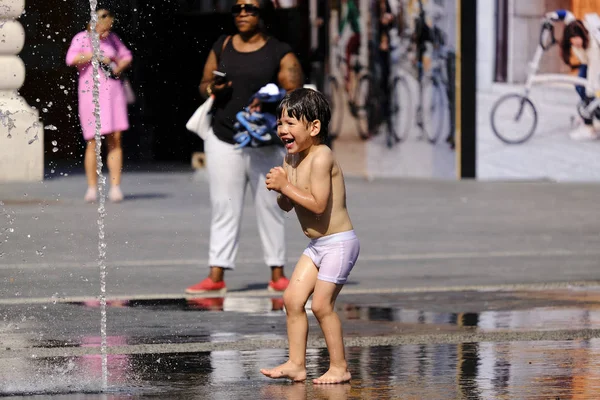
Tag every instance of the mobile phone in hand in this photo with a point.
(220, 77)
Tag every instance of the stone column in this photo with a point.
(21, 132)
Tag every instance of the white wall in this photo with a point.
(486, 43)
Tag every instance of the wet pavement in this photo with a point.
(463, 290)
(483, 344)
(502, 370)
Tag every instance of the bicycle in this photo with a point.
(359, 100)
(399, 114)
(365, 101)
(524, 106)
(435, 85)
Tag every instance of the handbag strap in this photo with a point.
(225, 41)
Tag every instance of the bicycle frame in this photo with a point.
(540, 79)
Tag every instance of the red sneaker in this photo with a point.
(207, 286)
(279, 286)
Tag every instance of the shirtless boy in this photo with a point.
(311, 182)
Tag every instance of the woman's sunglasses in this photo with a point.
(250, 9)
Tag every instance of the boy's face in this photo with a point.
(297, 135)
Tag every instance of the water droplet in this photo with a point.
(29, 236)
(11, 230)
(55, 149)
(38, 100)
(50, 127)
(51, 171)
(45, 109)
(1, 255)
(39, 253)
(54, 143)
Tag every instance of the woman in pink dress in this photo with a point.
(114, 59)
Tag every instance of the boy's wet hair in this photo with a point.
(307, 104)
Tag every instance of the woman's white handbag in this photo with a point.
(200, 122)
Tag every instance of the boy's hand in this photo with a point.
(277, 179)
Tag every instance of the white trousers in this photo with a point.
(229, 172)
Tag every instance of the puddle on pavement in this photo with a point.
(550, 370)
(535, 318)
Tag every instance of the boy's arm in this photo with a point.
(320, 186)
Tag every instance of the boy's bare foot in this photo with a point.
(333, 376)
(287, 370)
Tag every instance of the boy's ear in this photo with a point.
(315, 128)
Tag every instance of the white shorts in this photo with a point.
(334, 255)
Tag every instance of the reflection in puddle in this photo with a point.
(516, 370)
(540, 318)
(233, 304)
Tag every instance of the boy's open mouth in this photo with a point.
(288, 141)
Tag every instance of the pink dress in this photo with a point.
(113, 103)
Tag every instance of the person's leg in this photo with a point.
(585, 131)
(339, 254)
(227, 185)
(323, 303)
(582, 73)
(352, 52)
(114, 159)
(270, 218)
(89, 162)
(295, 297)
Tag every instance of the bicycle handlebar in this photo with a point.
(547, 27)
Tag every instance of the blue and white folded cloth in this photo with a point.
(257, 129)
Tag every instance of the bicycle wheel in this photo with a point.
(401, 111)
(368, 110)
(435, 107)
(513, 118)
(337, 106)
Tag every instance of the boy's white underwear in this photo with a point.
(334, 255)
